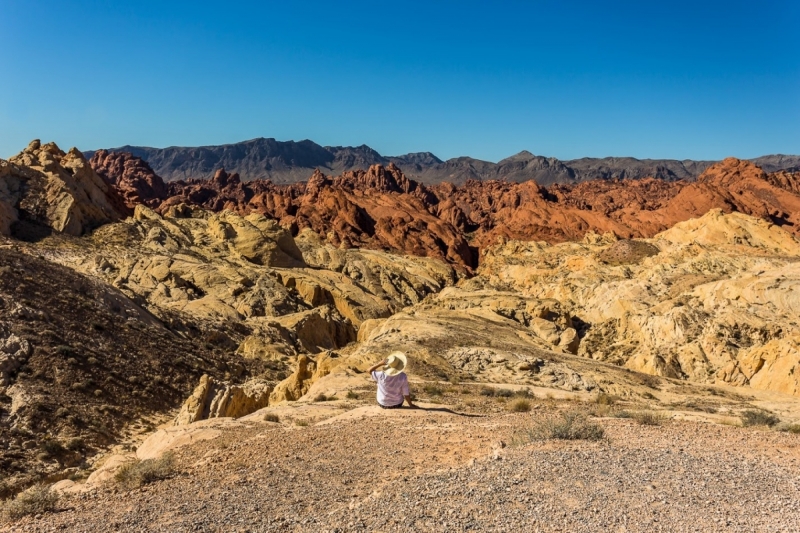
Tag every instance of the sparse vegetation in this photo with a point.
(271, 417)
(520, 406)
(352, 395)
(572, 425)
(321, 398)
(504, 393)
(432, 389)
(35, 500)
(301, 422)
(790, 428)
(605, 399)
(648, 418)
(137, 473)
(753, 417)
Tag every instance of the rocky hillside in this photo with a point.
(291, 162)
(381, 208)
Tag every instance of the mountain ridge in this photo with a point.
(286, 162)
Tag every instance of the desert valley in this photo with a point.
(600, 353)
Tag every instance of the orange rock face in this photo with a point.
(380, 208)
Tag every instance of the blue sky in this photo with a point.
(699, 80)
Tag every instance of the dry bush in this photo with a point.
(321, 398)
(137, 473)
(352, 395)
(520, 406)
(605, 399)
(572, 425)
(35, 500)
(791, 428)
(271, 417)
(753, 417)
(648, 418)
(432, 389)
(301, 422)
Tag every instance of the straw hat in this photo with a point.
(395, 364)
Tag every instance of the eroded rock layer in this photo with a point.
(380, 208)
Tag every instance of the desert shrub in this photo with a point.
(623, 414)
(504, 393)
(75, 444)
(433, 389)
(352, 395)
(321, 398)
(524, 393)
(569, 426)
(648, 418)
(520, 406)
(301, 422)
(605, 399)
(271, 417)
(791, 428)
(63, 349)
(753, 417)
(487, 391)
(137, 473)
(52, 447)
(35, 500)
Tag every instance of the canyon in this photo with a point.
(144, 317)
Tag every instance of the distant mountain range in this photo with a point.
(289, 162)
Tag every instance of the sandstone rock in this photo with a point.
(212, 399)
(308, 371)
(55, 190)
(714, 305)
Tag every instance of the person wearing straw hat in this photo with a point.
(392, 381)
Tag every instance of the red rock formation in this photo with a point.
(131, 176)
(381, 208)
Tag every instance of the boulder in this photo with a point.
(213, 399)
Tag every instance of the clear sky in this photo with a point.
(668, 79)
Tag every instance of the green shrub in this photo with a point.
(520, 406)
(35, 500)
(137, 473)
(753, 417)
(271, 417)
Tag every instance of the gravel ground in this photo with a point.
(433, 471)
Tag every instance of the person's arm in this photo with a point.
(376, 366)
(407, 393)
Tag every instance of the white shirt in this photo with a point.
(391, 389)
